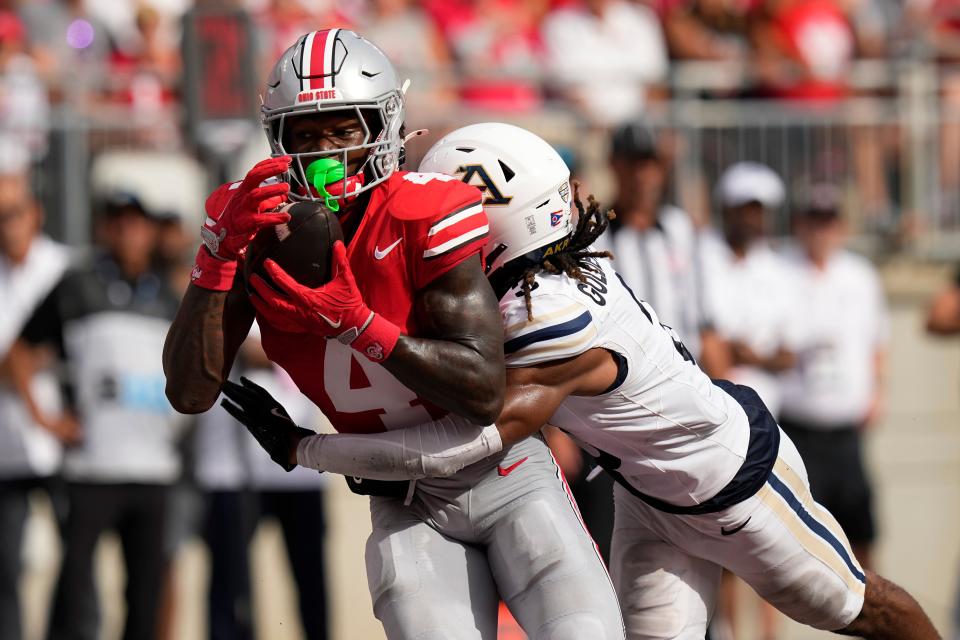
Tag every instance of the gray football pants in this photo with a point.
(506, 528)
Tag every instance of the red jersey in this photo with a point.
(416, 227)
(818, 35)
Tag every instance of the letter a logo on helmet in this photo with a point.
(536, 215)
(486, 184)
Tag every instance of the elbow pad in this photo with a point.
(430, 450)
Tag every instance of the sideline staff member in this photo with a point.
(107, 320)
(835, 390)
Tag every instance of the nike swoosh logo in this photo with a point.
(276, 412)
(505, 471)
(334, 325)
(730, 532)
(380, 255)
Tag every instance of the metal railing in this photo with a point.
(887, 150)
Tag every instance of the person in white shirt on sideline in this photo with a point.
(835, 390)
(754, 313)
(655, 245)
(30, 265)
(749, 286)
(604, 56)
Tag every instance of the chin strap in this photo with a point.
(413, 134)
(402, 158)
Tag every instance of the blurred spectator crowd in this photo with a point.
(605, 79)
(603, 58)
(118, 67)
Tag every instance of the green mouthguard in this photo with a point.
(322, 172)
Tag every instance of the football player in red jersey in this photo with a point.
(406, 331)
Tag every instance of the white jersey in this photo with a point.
(677, 436)
(662, 266)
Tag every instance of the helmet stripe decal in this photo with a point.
(305, 61)
(317, 67)
(330, 45)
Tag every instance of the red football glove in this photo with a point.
(334, 310)
(248, 210)
(235, 213)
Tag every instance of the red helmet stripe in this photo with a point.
(317, 68)
(321, 58)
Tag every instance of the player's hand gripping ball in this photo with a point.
(301, 246)
(248, 208)
(333, 310)
(329, 310)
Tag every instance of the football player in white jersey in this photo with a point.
(705, 477)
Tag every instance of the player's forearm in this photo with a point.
(434, 449)
(193, 354)
(467, 378)
(442, 447)
(527, 408)
(200, 347)
(529, 403)
(535, 393)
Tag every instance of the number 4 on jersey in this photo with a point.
(424, 178)
(384, 394)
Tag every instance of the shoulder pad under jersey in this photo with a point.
(561, 327)
(428, 196)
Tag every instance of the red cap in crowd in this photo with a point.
(10, 27)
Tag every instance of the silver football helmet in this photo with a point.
(337, 69)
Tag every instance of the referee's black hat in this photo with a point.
(819, 201)
(116, 203)
(634, 140)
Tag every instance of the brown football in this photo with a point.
(300, 246)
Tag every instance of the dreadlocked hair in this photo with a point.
(591, 223)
